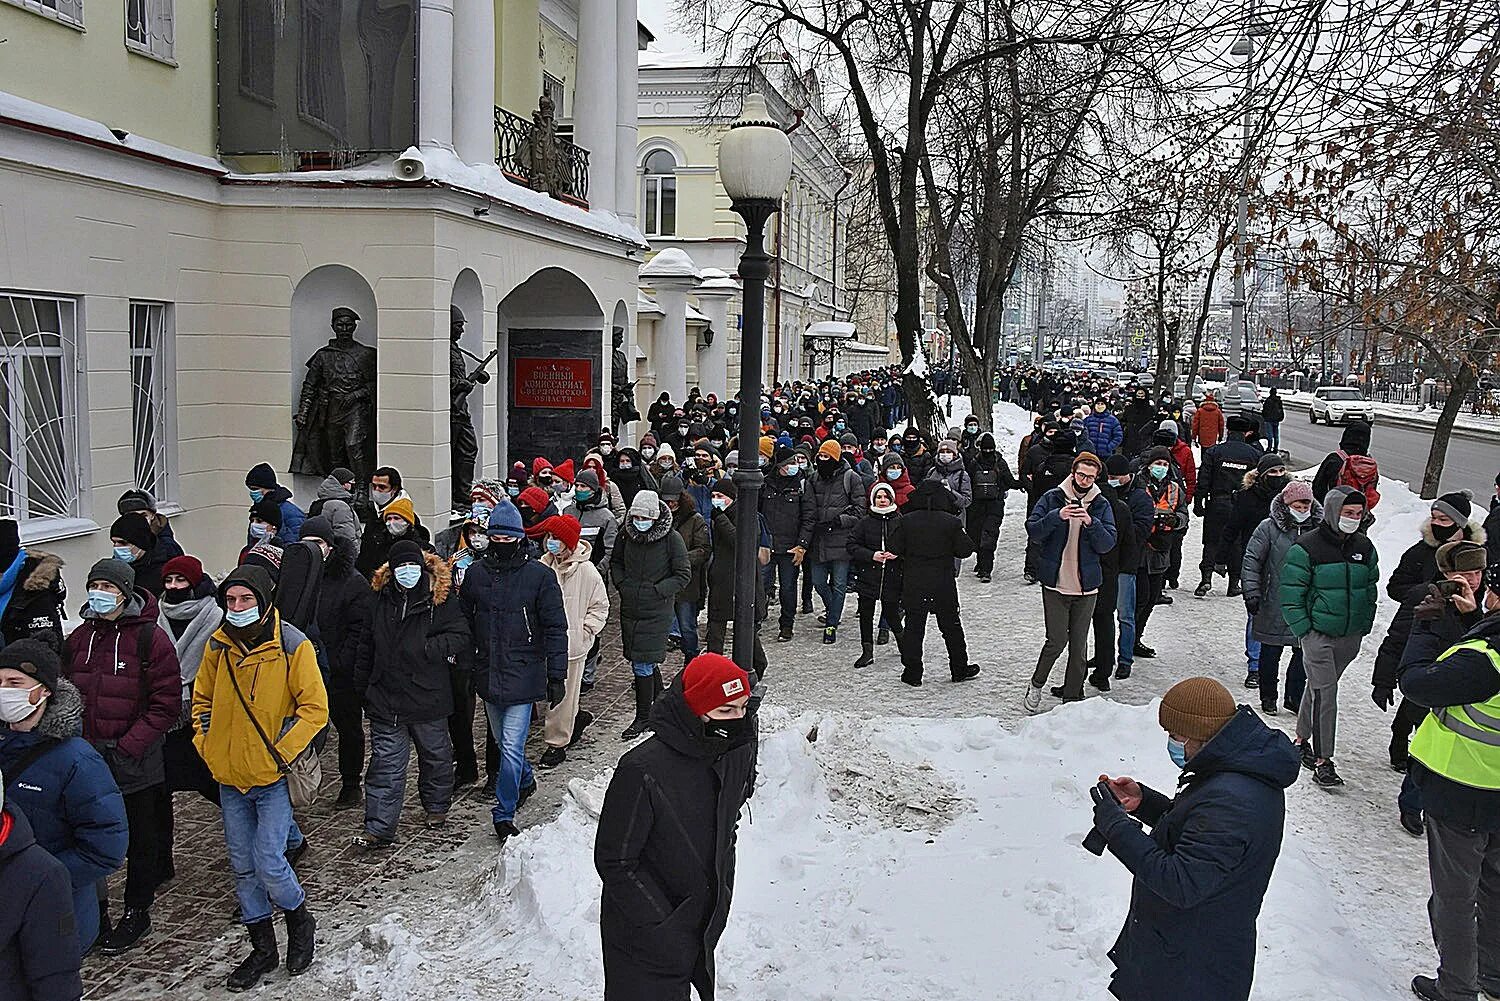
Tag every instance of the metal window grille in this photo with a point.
(39, 473)
(148, 27)
(66, 11)
(148, 395)
(553, 88)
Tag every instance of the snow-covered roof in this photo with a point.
(672, 262)
(646, 306)
(830, 328)
(19, 111)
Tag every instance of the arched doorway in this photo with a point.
(317, 295)
(552, 336)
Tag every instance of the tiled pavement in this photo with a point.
(193, 942)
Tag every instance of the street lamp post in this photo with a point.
(1238, 335)
(755, 164)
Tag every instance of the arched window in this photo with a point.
(660, 194)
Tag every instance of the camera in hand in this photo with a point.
(1094, 842)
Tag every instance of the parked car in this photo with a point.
(1340, 405)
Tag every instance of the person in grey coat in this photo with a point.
(650, 566)
(1294, 513)
(838, 503)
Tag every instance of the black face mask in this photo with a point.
(828, 466)
(501, 551)
(1445, 533)
(730, 731)
(1275, 483)
(175, 595)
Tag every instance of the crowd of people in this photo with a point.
(355, 617)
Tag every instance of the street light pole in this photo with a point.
(1238, 335)
(755, 164)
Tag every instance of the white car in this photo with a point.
(1340, 405)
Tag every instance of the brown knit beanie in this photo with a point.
(1196, 708)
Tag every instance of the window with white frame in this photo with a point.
(150, 408)
(66, 11)
(660, 194)
(554, 88)
(148, 28)
(39, 472)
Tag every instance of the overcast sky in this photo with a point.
(657, 15)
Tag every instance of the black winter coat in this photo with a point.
(1223, 471)
(35, 609)
(1047, 465)
(514, 608)
(1273, 409)
(665, 851)
(1252, 505)
(1418, 565)
(1202, 872)
(648, 571)
(871, 579)
(786, 505)
(38, 941)
(401, 670)
(721, 575)
(148, 569)
(838, 502)
(1492, 531)
(692, 528)
(990, 477)
(926, 541)
(376, 544)
(344, 603)
(1133, 518)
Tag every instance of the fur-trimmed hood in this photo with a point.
(1281, 515)
(437, 568)
(63, 717)
(658, 531)
(45, 574)
(1472, 532)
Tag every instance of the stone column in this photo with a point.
(474, 82)
(713, 359)
(672, 275)
(435, 74)
(594, 99)
(627, 89)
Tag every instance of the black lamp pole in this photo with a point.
(755, 268)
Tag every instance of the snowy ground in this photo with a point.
(927, 842)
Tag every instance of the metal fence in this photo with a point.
(513, 136)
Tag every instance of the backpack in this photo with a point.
(985, 482)
(1361, 473)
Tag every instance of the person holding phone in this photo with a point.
(1202, 872)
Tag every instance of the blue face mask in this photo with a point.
(464, 560)
(407, 575)
(256, 496)
(248, 617)
(642, 524)
(583, 496)
(480, 514)
(554, 546)
(259, 529)
(838, 425)
(894, 473)
(1177, 751)
(103, 602)
(1158, 472)
(513, 490)
(719, 503)
(124, 554)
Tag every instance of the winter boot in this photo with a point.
(644, 696)
(1412, 822)
(830, 634)
(1234, 590)
(1399, 754)
(1325, 775)
(299, 939)
(966, 672)
(867, 655)
(1427, 989)
(912, 676)
(1122, 672)
(135, 923)
(883, 636)
(505, 830)
(984, 577)
(1204, 586)
(580, 723)
(784, 635)
(1252, 679)
(349, 795)
(1100, 680)
(1144, 651)
(262, 959)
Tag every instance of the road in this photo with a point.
(1401, 452)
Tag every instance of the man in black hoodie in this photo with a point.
(925, 542)
(990, 479)
(665, 844)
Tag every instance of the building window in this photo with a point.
(65, 11)
(320, 68)
(148, 28)
(660, 194)
(554, 88)
(39, 475)
(150, 362)
(258, 50)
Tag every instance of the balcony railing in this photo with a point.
(533, 154)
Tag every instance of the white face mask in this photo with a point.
(15, 703)
(1299, 516)
(382, 497)
(1349, 525)
(397, 526)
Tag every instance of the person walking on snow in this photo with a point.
(1071, 525)
(990, 478)
(877, 571)
(665, 848)
(586, 602)
(1208, 426)
(1202, 872)
(649, 567)
(925, 542)
(1293, 514)
(1330, 586)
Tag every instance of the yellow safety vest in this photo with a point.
(1462, 743)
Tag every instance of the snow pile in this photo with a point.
(969, 881)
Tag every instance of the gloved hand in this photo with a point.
(556, 692)
(1252, 603)
(1108, 814)
(1198, 506)
(1383, 697)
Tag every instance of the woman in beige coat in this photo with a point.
(587, 605)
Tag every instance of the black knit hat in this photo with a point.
(257, 579)
(35, 658)
(267, 511)
(403, 552)
(261, 475)
(1117, 465)
(116, 572)
(1456, 506)
(134, 530)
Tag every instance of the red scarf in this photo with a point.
(5, 825)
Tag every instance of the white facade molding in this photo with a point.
(435, 72)
(474, 82)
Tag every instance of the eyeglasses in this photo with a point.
(1080, 475)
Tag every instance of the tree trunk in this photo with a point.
(923, 405)
(981, 395)
(1464, 380)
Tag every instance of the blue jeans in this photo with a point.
(1252, 645)
(1271, 431)
(831, 581)
(255, 831)
(1125, 607)
(1270, 668)
(685, 627)
(641, 669)
(510, 724)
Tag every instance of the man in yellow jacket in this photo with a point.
(258, 702)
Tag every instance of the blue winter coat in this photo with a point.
(39, 952)
(71, 799)
(1104, 433)
(1050, 531)
(520, 629)
(1201, 873)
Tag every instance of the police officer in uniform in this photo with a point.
(1455, 763)
(1223, 472)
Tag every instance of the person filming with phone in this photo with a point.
(1201, 873)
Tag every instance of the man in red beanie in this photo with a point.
(665, 847)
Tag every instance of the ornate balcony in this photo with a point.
(531, 153)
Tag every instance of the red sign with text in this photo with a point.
(561, 383)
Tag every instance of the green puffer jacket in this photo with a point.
(1331, 581)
